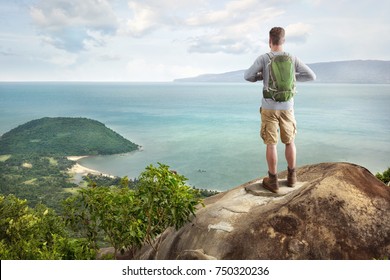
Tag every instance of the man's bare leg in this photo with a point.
(291, 155)
(272, 158)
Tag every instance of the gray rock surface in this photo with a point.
(337, 211)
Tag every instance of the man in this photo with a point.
(277, 108)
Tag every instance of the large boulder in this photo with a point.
(337, 211)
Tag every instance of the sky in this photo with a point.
(161, 40)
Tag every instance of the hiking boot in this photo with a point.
(291, 177)
(271, 183)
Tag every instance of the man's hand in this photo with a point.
(259, 76)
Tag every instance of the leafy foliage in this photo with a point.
(127, 213)
(36, 174)
(108, 181)
(33, 163)
(207, 193)
(130, 218)
(65, 137)
(36, 233)
(384, 177)
(36, 178)
(106, 209)
(165, 200)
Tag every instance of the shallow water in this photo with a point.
(210, 132)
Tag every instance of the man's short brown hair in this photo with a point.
(276, 35)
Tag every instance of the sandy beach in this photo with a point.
(80, 170)
(75, 158)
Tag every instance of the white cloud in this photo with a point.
(235, 10)
(235, 29)
(63, 59)
(94, 39)
(227, 27)
(219, 43)
(67, 24)
(221, 26)
(298, 32)
(57, 14)
(145, 18)
(207, 18)
(167, 39)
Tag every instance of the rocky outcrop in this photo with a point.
(337, 211)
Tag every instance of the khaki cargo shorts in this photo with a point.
(272, 121)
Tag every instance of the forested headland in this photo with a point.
(43, 215)
(33, 156)
(64, 137)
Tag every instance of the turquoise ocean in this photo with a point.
(210, 132)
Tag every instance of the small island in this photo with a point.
(47, 216)
(65, 137)
(36, 157)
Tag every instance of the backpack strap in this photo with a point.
(267, 93)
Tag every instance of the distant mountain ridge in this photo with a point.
(352, 71)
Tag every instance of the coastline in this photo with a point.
(78, 170)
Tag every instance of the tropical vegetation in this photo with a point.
(64, 137)
(119, 216)
(384, 177)
(44, 215)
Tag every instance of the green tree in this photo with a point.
(111, 210)
(130, 218)
(35, 233)
(384, 177)
(166, 201)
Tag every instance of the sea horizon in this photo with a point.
(209, 132)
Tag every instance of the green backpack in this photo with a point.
(281, 85)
